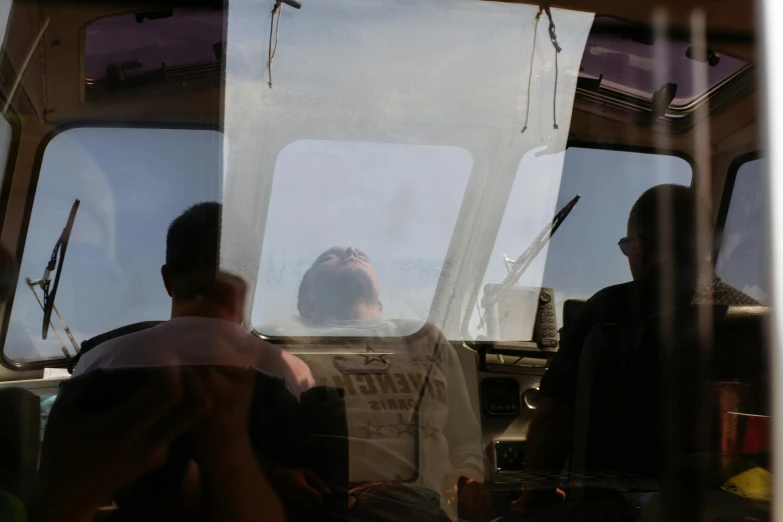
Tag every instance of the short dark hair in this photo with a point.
(193, 239)
(193, 249)
(667, 213)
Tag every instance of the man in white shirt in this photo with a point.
(207, 308)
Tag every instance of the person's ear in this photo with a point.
(166, 275)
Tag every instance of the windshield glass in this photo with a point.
(372, 196)
(582, 256)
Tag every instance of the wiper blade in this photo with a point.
(522, 263)
(59, 251)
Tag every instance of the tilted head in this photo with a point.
(662, 228)
(340, 285)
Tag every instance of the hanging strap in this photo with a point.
(530, 74)
(556, 45)
(276, 10)
(553, 39)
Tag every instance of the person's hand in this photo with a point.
(88, 456)
(299, 488)
(233, 488)
(475, 500)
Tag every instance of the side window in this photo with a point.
(131, 184)
(582, 257)
(742, 260)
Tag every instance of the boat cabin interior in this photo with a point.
(477, 161)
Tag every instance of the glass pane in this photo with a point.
(375, 197)
(742, 260)
(131, 184)
(5, 11)
(148, 41)
(163, 48)
(582, 256)
(626, 54)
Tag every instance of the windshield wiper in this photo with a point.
(51, 280)
(518, 267)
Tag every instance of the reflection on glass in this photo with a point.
(396, 203)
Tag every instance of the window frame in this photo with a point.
(642, 149)
(5, 320)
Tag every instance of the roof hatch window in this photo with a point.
(624, 58)
(152, 48)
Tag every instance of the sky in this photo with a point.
(742, 262)
(385, 128)
(133, 182)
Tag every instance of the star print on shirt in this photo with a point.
(403, 427)
(429, 431)
(371, 356)
(371, 429)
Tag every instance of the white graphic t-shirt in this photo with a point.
(410, 418)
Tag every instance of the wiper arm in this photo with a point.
(60, 248)
(522, 263)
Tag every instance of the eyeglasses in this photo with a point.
(625, 245)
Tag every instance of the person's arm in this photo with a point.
(89, 455)
(463, 428)
(233, 487)
(463, 433)
(550, 432)
(549, 435)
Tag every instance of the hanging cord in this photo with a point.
(276, 10)
(530, 74)
(553, 38)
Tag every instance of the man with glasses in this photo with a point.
(662, 250)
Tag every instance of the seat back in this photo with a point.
(310, 434)
(20, 420)
(91, 343)
(325, 427)
(669, 387)
(616, 410)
